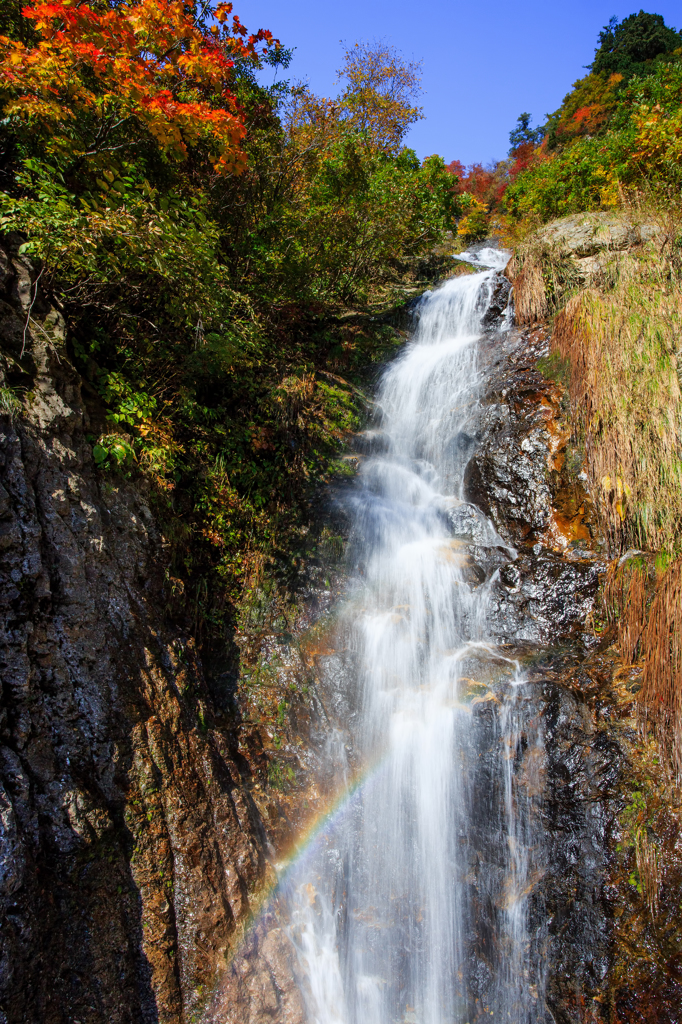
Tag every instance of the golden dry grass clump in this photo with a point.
(661, 650)
(621, 342)
(542, 276)
(645, 602)
(625, 601)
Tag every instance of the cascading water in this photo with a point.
(413, 908)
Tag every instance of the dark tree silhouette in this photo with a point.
(625, 47)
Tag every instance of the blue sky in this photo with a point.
(484, 62)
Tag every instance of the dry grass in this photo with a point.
(646, 605)
(648, 863)
(530, 300)
(622, 344)
(625, 600)
(542, 277)
(661, 649)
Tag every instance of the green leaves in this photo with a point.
(114, 452)
(126, 406)
(365, 218)
(203, 312)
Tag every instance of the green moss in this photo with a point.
(281, 776)
(553, 367)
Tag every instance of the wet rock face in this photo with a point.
(567, 766)
(543, 598)
(562, 783)
(129, 842)
(499, 301)
(507, 477)
(467, 523)
(584, 765)
(542, 572)
(513, 474)
(608, 954)
(543, 576)
(265, 983)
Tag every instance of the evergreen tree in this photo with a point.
(523, 133)
(625, 47)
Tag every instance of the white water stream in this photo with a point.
(413, 908)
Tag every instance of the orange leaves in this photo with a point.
(146, 65)
(222, 11)
(587, 108)
(588, 120)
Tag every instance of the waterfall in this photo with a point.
(414, 907)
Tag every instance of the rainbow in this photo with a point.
(323, 822)
(331, 815)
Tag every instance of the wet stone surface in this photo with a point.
(544, 599)
(130, 844)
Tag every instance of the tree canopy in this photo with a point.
(626, 46)
(213, 243)
(523, 133)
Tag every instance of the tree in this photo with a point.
(625, 47)
(523, 133)
(100, 79)
(378, 101)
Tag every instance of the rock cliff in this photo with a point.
(129, 842)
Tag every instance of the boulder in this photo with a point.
(585, 235)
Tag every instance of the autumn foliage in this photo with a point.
(212, 242)
(379, 98)
(619, 129)
(97, 80)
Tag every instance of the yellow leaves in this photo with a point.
(610, 194)
(615, 488)
(378, 100)
(39, 107)
(617, 485)
(659, 137)
(474, 224)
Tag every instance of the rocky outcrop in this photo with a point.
(517, 475)
(582, 250)
(129, 840)
(590, 237)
